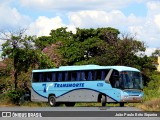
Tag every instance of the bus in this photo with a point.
(87, 83)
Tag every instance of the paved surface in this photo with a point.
(74, 109)
(69, 109)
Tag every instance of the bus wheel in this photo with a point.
(70, 104)
(52, 101)
(103, 100)
(121, 104)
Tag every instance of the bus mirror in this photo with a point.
(108, 76)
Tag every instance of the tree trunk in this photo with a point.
(15, 70)
(15, 79)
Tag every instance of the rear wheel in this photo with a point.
(103, 100)
(52, 101)
(70, 104)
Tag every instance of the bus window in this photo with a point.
(48, 77)
(115, 79)
(78, 76)
(103, 75)
(83, 75)
(73, 76)
(40, 77)
(89, 75)
(98, 75)
(59, 76)
(94, 75)
(66, 76)
(35, 77)
(53, 76)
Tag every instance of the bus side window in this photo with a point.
(83, 75)
(98, 75)
(86, 75)
(59, 76)
(103, 75)
(54, 76)
(48, 76)
(35, 77)
(40, 77)
(94, 75)
(114, 79)
(78, 76)
(66, 76)
(89, 75)
(73, 76)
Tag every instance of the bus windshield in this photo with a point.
(131, 80)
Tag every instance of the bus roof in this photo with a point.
(87, 67)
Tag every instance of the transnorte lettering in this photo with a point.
(69, 85)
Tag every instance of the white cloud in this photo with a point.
(43, 25)
(84, 19)
(149, 51)
(157, 20)
(94, 19)
(148, 30)
(10, 17)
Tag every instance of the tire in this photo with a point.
(52, 101)
(70, 104)
(103, 101)
(121, 104)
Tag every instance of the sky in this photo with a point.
(139, 18)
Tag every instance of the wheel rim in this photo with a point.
(52, 101)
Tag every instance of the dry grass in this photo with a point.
(35, 104)
(151, 105)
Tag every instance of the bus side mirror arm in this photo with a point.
(108, 76)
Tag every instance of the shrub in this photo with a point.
(15, 95)
(152, 90)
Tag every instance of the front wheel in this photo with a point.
(52, 101)
(103, 100)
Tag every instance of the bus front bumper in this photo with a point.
(132, 99)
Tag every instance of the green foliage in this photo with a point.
(20, 48)
(15, 95)
(152, 90)
(43, 41)
(156, 53)
(96, 46)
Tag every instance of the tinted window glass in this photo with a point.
(53, 76)
(89, 75)
(60, 76)
(73, 76)
(94, 75)
(41, 77)
(66, 76)
(83, 75)
(78, 76)
(35, 77)
(48, 76)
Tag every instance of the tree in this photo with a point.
(156, 53)
(20, 48)
(93, 46)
